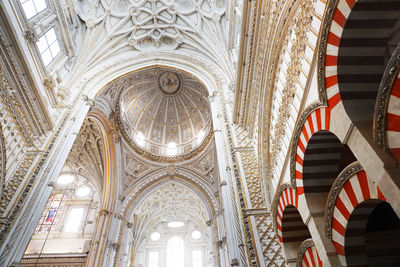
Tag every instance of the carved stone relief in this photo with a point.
(149, 24)
(134, 168)
(87, 153)
(3, 160)
(264, 226)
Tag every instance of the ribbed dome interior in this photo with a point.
(165, 111)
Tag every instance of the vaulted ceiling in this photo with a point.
(165, 111)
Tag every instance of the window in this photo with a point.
(175, 252)
(196, 258)
(49, 219)
(48, 46)
(153, 259)
(176, 224)
(196, 235)
(74, 220)
(171, 149)
(33, 7)
(155, 236)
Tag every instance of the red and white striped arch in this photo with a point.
(393, 120)
(356, 190)
(340, 17)
(288, 197)
(318, 120)
(311, 258)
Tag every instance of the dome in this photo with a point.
(164, 112)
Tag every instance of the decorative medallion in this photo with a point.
(169, 82)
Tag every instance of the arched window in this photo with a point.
(175, 252)
(51, 214)
(153, 259)
(196, 258)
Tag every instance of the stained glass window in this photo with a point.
(51, 214)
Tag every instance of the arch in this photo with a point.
(372, 235)
(109, 190)
(387, 109)
(288, 222)
(324, 158)
(308, 255)
(314, 119)
(284, 99)
(351, 68)
(92, 82)
(350, 189)
(110, 182)
(155, 180)
(285, 195)
(152, 181)
(175, 252)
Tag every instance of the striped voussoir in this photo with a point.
(356, 190)
(289, 224)
(339, 19)
(288, 197)
(311, 258)
(356, 48)
(318, 120)
(393, 120)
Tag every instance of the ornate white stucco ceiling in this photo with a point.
(162, 112)
(116, 30)
(153, 23)
(172, 202)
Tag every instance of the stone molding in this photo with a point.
(302, 250)
(295, 139)
(3, 162)
(338, 184)
(275, 202)
(323, 42)
(382, 101)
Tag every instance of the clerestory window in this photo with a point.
(48, 46)
(196, 258)
(74, 220)
(153, 259)
(33, 7)
(175, 250)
